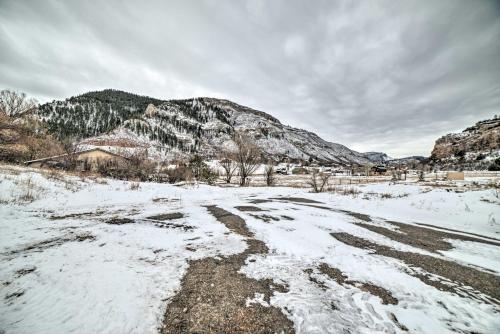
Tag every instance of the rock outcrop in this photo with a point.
(477, 147)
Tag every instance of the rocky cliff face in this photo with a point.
(180, 127)
(475, 147)
(377, 157)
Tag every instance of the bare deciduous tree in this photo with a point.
(15, 104)
(367, 168)
(247, 157)
(269, 175)
(228, 164)
(319, 181)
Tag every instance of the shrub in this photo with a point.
(495, 166)
(136, 168)
(269, 175)
(228, 164)
(178, 174)
(197, 166)
(209, 176)
(200, 171)
(300, 170)
(319, 181)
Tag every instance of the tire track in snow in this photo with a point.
(214, 297)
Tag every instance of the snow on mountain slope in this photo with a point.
(377, 157)
(181, 127)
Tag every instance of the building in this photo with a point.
(457, 176)
(87, 160)
(379, 170)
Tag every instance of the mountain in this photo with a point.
(377, 157)
(477, 147)
(412, 162)
(176, 128)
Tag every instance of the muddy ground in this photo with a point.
(213, 295)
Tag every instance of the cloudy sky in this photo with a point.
(388, 76)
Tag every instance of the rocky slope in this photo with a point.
(377, 157)
(475, 147)
(166, 129)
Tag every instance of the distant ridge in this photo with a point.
(180, 127)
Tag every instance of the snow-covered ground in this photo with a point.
(65, 270)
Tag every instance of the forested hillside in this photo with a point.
(202, 125)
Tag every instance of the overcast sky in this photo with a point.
(387, 76)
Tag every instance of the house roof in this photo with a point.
(79, 152)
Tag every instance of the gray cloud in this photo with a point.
(374, 75)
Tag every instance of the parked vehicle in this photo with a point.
(281, 170)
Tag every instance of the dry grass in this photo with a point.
(344, 190)
(29, 191)
(101, 181)
(135, 186)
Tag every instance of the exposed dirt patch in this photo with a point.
(360, 216)
(421, 237)
(384, 294)
(15, 294)
(119, 221)
(248, 208)
(213, 296)
(469, 233)
(25, 271)
(259, 201)
(286, 217)
(296, 200)
(396, 321)
(335, 274)
(73, 215)
(266, 218)
(165, 200)
(233, 222)
(167, 216)
(416, 237)
(322, 207)
(455, 278)
(162, 224)
(52, 242)
(313, 279)
(83, 237)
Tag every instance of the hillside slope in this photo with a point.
(179, 127)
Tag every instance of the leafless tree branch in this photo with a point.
(15, 104)
(247, 157)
